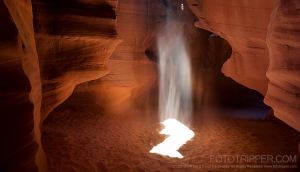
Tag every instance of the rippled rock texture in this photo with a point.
(104, 52)
(74, 41)
(244, 25)
(20, 90)
(47, 48)
(284, 70)
(263, 37)
(131, 73)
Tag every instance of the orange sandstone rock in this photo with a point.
(20, 90)
(283, 43)
(244, 25)
(74, 41)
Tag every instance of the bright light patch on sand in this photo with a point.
(179, 135)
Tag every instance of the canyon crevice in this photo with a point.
(101, 56)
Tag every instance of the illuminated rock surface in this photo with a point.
(64, 62)
(284, 71)
(264, 48)
(74, 42)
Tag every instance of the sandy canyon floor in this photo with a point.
(80, 141)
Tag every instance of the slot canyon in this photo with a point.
(85, 85)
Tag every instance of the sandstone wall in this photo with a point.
(284, 71)
(263, 36)
(131, 72)
(47, 48)
(63, 47)
(74, 41)
(244, 25)
(20, 90)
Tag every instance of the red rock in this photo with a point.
(20, 88)
(69, 53)
(244, 25)
(130, 69)
(283, 42)
(74, 42)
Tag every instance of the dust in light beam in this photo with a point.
(175, 86)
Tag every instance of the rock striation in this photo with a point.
(263, 37)
(74, 41)
(20, 89)
(46, 49)
(56, 52)
(244, 25)
(284, 70)
(131, 73)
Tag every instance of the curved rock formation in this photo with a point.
(74, 41)
(20, 89)
(284, 71)
(57, 50)
(42, 60)
(131, 74)
(244, 25)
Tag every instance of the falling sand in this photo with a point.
(78, 141)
